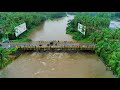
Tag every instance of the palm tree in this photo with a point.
(4, 59)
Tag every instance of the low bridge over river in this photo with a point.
(50, 46)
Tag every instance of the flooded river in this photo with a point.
(55, 65)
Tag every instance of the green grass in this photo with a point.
(77, 36)
(85, 40)
(20, 40)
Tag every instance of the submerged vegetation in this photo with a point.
(106, 40)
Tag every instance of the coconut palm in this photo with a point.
(4, 59)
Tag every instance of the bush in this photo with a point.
(78, 36)
(9, 20)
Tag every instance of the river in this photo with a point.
(55, 65)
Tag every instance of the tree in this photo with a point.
(9, 20)
(92, 21)
(4, 59)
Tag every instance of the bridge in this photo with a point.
(50, 46)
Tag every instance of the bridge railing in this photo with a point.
(48, 42)
(55, 47)
(54, 41)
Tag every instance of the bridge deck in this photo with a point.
(38, 45)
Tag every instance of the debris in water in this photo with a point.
(36, 73)
(43, 63)
(33, 54)
(53, 69)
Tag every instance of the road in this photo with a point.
(45, 43)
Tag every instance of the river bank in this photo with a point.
(31, 19)
(24, 36)
(54, 64)
(104, 34)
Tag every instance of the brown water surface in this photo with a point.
(55, 65)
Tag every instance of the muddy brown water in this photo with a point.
(54, 64)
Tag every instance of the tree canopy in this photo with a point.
(9, 20)
(106, 40)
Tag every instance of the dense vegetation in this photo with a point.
(108, 48)
(107, 41)
(9, 20)
(4, 56)
(91, 21)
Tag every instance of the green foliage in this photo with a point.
(106, 40)
(12, 49)
(29, 40)
(4, 59)
(92, 21)
(108, 48)
(22, 40)
(118, 71)
(9, 20)
(78, 36)
(70, 30)
(4, 56)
